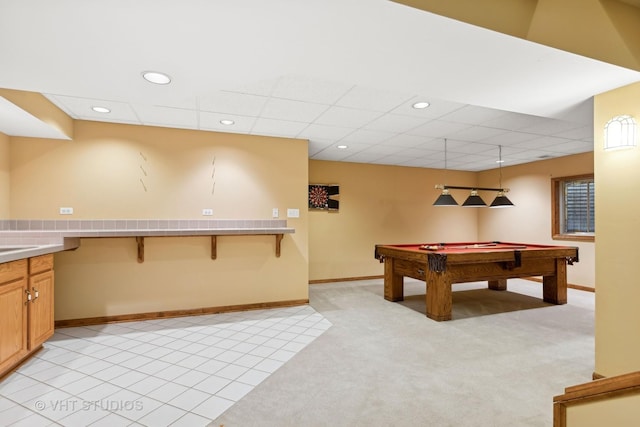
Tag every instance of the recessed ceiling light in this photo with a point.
(156, 77)
(227, 122)
(99, 109)
(420, 105)
(499, 161)
(343, 147)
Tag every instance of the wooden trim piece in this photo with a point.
(597, 376)
(344, 279)
(177, 313)
(350, 279)
(214, 247)
(605, 388)
(569, 285)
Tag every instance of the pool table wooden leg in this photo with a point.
(554, 288)
(439, 297)
(498, 285)
(393, 282)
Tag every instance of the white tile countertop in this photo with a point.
(27, 238)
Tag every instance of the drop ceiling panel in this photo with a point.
(302, 88)
(80, 108)
(167, 117)
(470, 114)
(364, 157)
(372, 99)
(406, 140)
(232, 103)
(438, 129)
(436, 109)
(296, 111)
(510, 138)
(367, 136)
(324, 132)
(584, 133)
(514, 121)
(211, 121)
(395, 123)
(347, 117)
(317, 146)
(455, 146)
(271, 127)
(476, 133)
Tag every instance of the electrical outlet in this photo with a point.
(275, 213)
(66, 211)
(207, 212)
(293, 213)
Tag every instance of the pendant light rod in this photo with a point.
(456, 187)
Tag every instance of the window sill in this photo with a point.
(575, 237)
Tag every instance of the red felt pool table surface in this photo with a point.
(442, 264)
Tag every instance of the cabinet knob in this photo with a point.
(28, 296)
(36, 294)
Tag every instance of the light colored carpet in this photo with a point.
(499, 362)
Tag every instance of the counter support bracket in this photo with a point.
(140, 242)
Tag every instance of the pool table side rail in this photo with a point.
(477, 256)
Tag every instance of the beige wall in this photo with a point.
(530, 220)
(4, 176)
(380, 205)
(617, 252)
(124, 171)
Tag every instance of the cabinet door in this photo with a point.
(41, 323)
(13, 323)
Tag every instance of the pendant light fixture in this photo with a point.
(474, 200)
(501, 201)
(445, 199)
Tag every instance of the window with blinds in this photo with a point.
(578, 209)
(573, 208)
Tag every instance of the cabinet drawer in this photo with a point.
(13, 270)
(40, 263)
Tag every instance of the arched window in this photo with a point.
(620, 132)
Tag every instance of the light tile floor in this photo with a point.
(182, 371)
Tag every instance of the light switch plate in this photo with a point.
(66, 211)
(207, 212)
(275, 213)
(293, 213)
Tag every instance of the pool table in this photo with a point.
(441, 265)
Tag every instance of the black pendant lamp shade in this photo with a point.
(501, 201)
(474, 201)
(445, 199)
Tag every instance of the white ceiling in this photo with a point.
(330, 71)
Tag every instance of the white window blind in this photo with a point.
(579, 208)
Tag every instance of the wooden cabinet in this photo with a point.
(41, 323)
(26, 308)
(13, 313)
